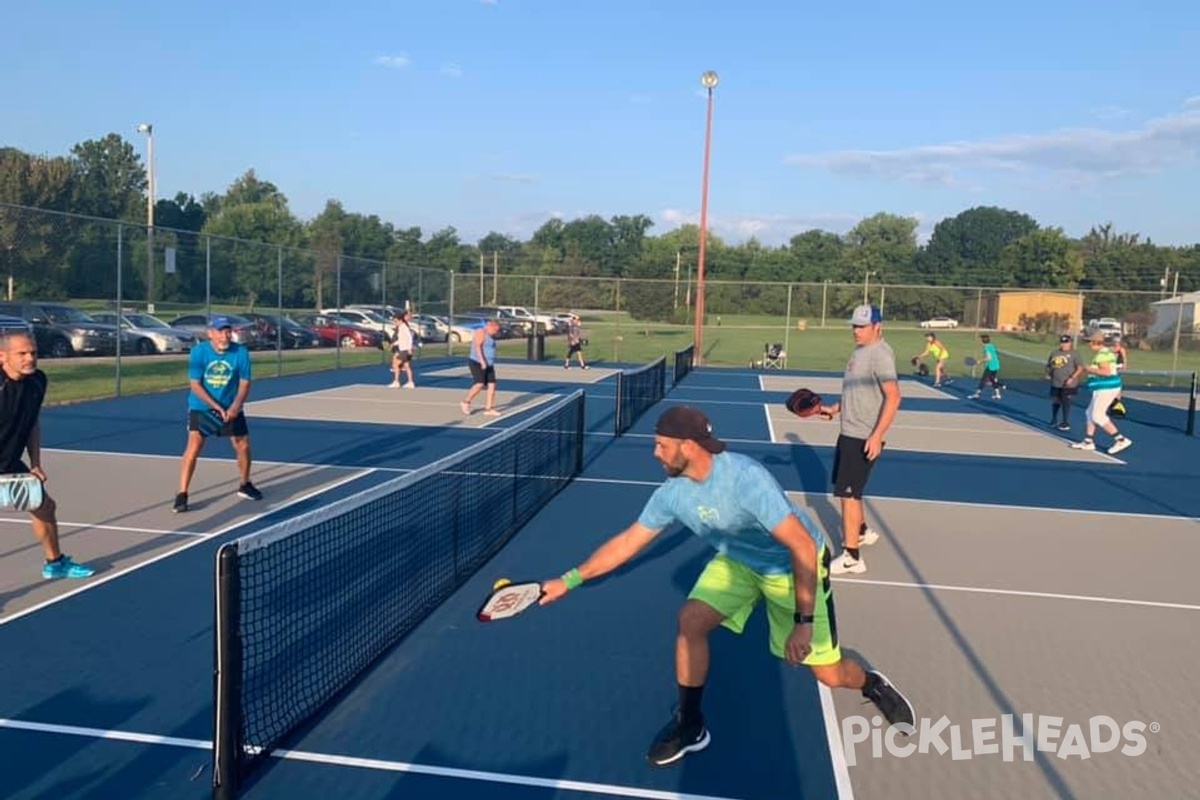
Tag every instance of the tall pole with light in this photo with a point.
(148, 129)
(709, 81)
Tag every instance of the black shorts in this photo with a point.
(206, 423)
(481, 375)
(402, 356)
(572, 349)
(1061, 393)
(851, 468)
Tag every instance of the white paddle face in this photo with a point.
(509, 601)
(22, 492)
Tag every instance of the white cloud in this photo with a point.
(524, 179)
(452, 70)
(398, 61)
(1192, 102)
(1079, 155)
(771, 229)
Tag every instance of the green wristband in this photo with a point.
(572, 579)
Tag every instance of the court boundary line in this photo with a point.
(226, 459)
(833, 737)
(102, 580)
(1023, 593)
(120, 528)
(770, 424)
(379, 765)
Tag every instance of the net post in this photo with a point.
(579, 432)
(227, 671)
(617, 408)
(1191, 419)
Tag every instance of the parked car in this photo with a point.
(60, 330)
(334, 331)
(10, 324)
(146, 334)
(245, 332)
(434, 329)
(361, 316)
(274, 330)
(940, 322)
(462, 329)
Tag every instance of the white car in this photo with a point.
(939, 322)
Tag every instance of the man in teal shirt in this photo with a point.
(991, 369)
(219, 376)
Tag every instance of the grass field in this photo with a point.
(612, 337)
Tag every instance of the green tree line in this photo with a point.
(336, 254)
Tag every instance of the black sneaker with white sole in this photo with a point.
(894, 706)
(676, 740)
(181, 503)
(247, 491)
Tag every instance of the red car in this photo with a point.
(334, 331)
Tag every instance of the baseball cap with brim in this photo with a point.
(685, 422)
(219, 322)
(1066, 337)
(866, 315)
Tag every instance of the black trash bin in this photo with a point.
(535, 348)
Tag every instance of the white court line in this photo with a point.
(89, 584)
(770, 423)
(1119, 601)
(368, 763)
(833, 736)
(214, 459)
(122, 528)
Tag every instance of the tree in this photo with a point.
(112, 180)
(1045, 258)
(965, 249)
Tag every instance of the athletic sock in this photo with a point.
(853, 551)
(862, 531)
(689, 705)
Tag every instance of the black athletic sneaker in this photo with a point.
(887, 698)
(180, 503)
(675, 741)
(248, 492)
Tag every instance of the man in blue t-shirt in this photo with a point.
(767, 549)
(219, 376)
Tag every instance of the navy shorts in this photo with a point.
(207, 423)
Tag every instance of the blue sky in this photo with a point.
(496, 114)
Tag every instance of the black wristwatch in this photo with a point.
(803, 619)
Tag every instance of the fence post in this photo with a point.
(787, 331)
(337, 324)
(450, 315)
(279, 308)
(208, 277)
(120, 311)
(978, 310)
(824, 300)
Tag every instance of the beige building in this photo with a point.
(1015, 310)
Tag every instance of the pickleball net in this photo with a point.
(1159, 398)
(683, 363)
(307, 604)
(638, 390)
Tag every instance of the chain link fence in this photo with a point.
(98, 265)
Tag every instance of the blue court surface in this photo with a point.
(1015, 579)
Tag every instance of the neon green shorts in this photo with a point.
(733, 590)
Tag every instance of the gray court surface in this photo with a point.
(533, 372)
(114, 513)
(1065, 619)
(939, 432)
(383, 405)
(826, 385)
(1178, 400)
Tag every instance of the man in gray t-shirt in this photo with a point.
(869, 402)
(1064, 368)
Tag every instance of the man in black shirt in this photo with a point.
(22, 391)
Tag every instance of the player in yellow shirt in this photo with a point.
(940, 353)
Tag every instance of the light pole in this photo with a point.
(148, 129)
(709, 81)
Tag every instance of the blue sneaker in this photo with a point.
(66, 568)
